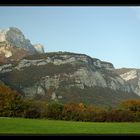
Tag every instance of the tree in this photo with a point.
(54, 110)
(116, 115)
(35, 109)
(95, 114)
(11, 102)
(131, 105)
(73, 111)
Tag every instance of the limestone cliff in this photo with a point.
(49, 75)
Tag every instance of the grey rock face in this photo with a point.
(103, 64)
(90, 72)
(64, 59)
(80, 78)
(6, 68)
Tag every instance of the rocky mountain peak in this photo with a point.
(14, 44)
(39, 48)
(15, 37)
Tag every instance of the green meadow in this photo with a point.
(40, 126)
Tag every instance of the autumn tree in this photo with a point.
(95, 114)
(131, 105)
(11, 102)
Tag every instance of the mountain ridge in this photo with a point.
(52, 76)
(62, 76)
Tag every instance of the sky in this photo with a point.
(109, 33)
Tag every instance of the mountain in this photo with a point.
(67, 77)
(62, 76)
(14, 45)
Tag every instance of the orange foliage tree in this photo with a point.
(11, 102)
(131, 105)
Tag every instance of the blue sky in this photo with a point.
(108, 33)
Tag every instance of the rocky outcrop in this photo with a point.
(10, 53)
(39, 48)
(5, 51)
(132, 77)
(6, 68)
(59, 59)
(132, 74)
(103, 64)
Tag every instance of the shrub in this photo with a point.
(35, 109)
(95, 114)
(31, 113)
(54, 110)
(137, 116)
(119, 116)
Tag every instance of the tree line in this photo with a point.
(12, 104)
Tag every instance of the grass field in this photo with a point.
(38, 126)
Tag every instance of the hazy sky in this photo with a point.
(108, 33)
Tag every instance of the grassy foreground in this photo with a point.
(38, 126)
